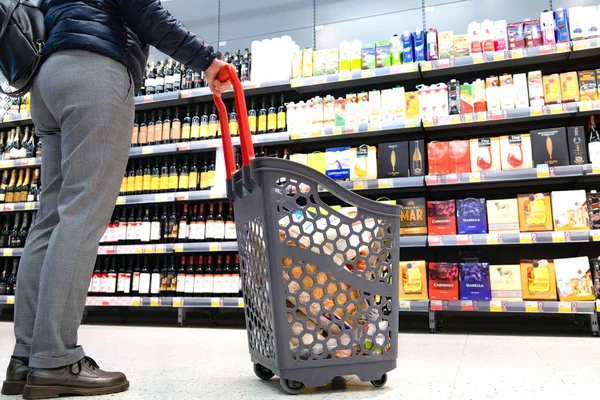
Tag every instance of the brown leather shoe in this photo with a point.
(16, 376)
(84, 378)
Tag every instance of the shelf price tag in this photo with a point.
(337, 130)
(525, 238)
(297, 82)
(215, 246)
(531, 306)
(241, 302)
(154, 302)
(499, 56)
(462, 240)
(466, 305)
(178, 248)
(543, 171)
(433, 179)
(384, 183)
(121, 200)
(177, 302)
(161, 197)
(182, 196)
(558, 237)
(492, 238)
(147, 150)
(345, 75)
(359, 185)
(7, 252)
(546, 49)
(495, 306)
(215, 302)
(595, 168)
(452, 178)
(475, 177)
(149, 249)
(136, 301)
(478, 58)
(426, 66)
(10, 300)
(595, 235)
(535, 111)
(29, 206)
(405, 305)
(516, 53)
(138, 249)
(148, 98)
(9, 207)
(436, 305)
(598, 306)
(435, 240)
(160, 248)
(367, 73)
(564, 307)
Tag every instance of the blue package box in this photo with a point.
(475, 281)
(561, 21)
(471, 216)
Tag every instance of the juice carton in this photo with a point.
(475, 37)
(446, 44)
(562, 25)
(591, 14)
(479, 95)
(552, 89)
(437, 156)
(500, 35)
(396, 50)
(432, 45)
(413, 285)
(475, 281)
(320, 62)
(338, 162)
(577, 23)
(570, 86)
(503, 216)
(399, 111)
(516, 36)
(507, 92)
(363, 108)
(570, 210)
(384, 53)
(340, 112)
(461, 45)
(548, 27)
(351, 111)
(493, 94)
(413, 216)
(408, 47)
(538, 279)
(471, 217)
(356, 55)
(466, 99)
(515, 151)
(443, 281)
(307, 62)
(345, 56)
(328, 112)
(387, 105)
(453, 97)
(297, 64)
(588, 85)
(369, 56)
(332, 57)
(535, 212)
(441, 217)
(412, 105)
(505, 282)
(487, 33)
(574, 279)
(420, 45)
(533, 33)
(536, 88)
(485, 154)
(459, 156)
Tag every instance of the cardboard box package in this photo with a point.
(588, 85)
(485, 154)
(338, 161)
(475, 281)
(363, 163)
(413, 216)
(550, 147)
(393, 160)
(593, 201)
(538, 279)
(515, 151)
(536, 88)
(441, 217)
(443, 281)
(459, 156)
(535, 212)
(533, 33)
(552, 89)
(574, 279)
(461, 45)
(505, 282)
(413, 284)
(570, 210)
(503, 216)
(446, 44)
(471, 217)
(570, 86)
(437, 158)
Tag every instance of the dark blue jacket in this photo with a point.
(122, 30)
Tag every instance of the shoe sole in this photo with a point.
(11, 388)
(51, 392)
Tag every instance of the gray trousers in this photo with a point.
(82, 105)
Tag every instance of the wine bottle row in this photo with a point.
(167, 276)
(18, 143)
(8, 276)
(15, 228)
(151, 128)
(170, 224)
(24, 188)
(151, 176)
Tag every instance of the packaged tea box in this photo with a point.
(570, 210)
(574, 279)
(443, 281)
(535, 212)
(471, 216)
(505, 282)
(475, 281)
(538, 279)
(413, 283)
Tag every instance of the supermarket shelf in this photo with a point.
(413, 241)
(9, 207)
(200, 195)
(508, 176)
(405, 72)
(515, 59)
(146, 198)
(542, 307)
(169, 248)
(177, 302)
(204, 247)
(485, 239)
(10, 252)
(22, 162)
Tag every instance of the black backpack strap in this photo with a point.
(9, 13)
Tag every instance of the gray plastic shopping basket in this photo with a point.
(320, 288)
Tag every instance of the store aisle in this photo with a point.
(187, 363)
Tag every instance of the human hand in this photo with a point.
(215, 85)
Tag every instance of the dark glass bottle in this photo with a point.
(210, 224)
(176, 127)
(156, 280)
(111, 280)
(204, 124)
(272, 116)
(213, 124)
(183, 225)
(171, 278)
(164, 225)
(13, 240)
(262, 118)
(186, 127)
(190, 277)
(184, 176)
(135, 278)
(181, 276)
(193, 175)
(227, 277)
(166, 128)
(195, 129)
(219, 224)
(145, 278)
(24, 231)
(11, 283)
(199, 278)
(209, 279)
(173, 176)
(164, 176)
(4, 273)
(147, 179)
(282, 116)
(155, 228)
(151, 130)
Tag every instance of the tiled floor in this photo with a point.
(187, 363)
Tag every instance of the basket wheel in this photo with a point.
(381, 382)
(262, 372)
(292, 387)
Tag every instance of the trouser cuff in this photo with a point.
(46, 362)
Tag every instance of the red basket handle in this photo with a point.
(228, 72)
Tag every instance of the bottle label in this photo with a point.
(150, 137)
(203, 180)
(147, 183)
(155, 231)
(176, 131)
(226, 284)
(212, 129)
(193, 181)
(121, 283)
(233, 128)
(111, 283)
(272, 122)
(122, 190)
(219, 230)
(173, 182)
(95, 283)
(166, 130)
(127, 284)
(3, 287)
(230, 233)
(145, 232)
(172, 282)
(195, 132)
(130, 235)
(281, 121)
(203, 131)
(185, 132)
(198, 283)
(209, 284)
(105, 236)
(155, 284)
(143, 136)
(136, 281)
(189, 284)
(158, 128)
(131, 184)
(594, 150)
(122, 231)
(139, 183)
(262, 123)
(200, 230)
(164, 182)
(210, 230)
(137, 232)
(155, 184)
(235, 284)
(184, 182)
(183, 230)
(180, 283)
(210, 179)
(252, 123)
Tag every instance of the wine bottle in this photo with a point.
(38, 149)
(213, 124)
(155, 179)
(139, 179)
(193, 178)
(233, 122)
(30, 145)
(189, 79)
(123, 189)
(151, 131)
(210, 177)
(209, 279)
(160, 78)
(155, 280)
(177, 77)
(183, 225)
(230, 232)
(13, 240)
(189, 277)
(164, 225)
(164, 176)
(130, 236)
(219, 225)
(204, 174)
(171, 278)
(158, 128)
(236, 281)
(104, 278)
(94, 288)
(111, 280)
(262, 118)
(176, 127)
(5, 233)
(252, 118)
(173, 177)
(218, 277)
(23, 232)
(121, 278)
(201, 226)
(147, 179)
(11, 283)
(204, 124)
(169, 77)
(146, 229)
(186, 127)
(17, 189)
(193, 224)
(245, 66)
(166, 128)
(150, 80)
(145, 279)
(181, 277)
(34, 191)
(417, 166)
(138, 227)
(131, 179)
(128, 278)
(184, 176)
(210, 224)
(155, 231)
(227, 277)
(122, 229)
(4, 186)
(272, 116)
(136, 278)
(172, 226)
(282, 116)
(10, 190)
(594, 144)
(195, 129)
(143, 134)
(199, 277)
